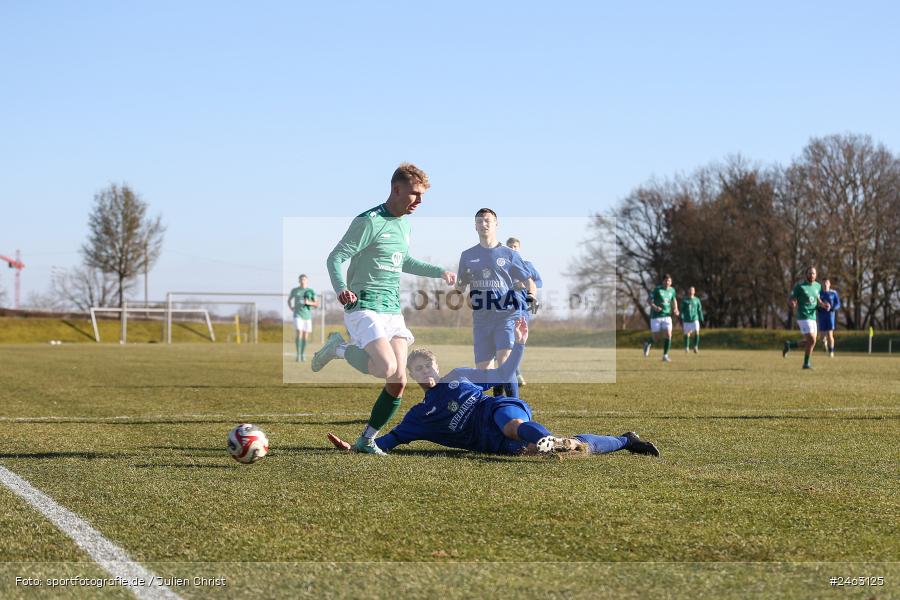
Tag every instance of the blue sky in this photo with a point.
(227, 117)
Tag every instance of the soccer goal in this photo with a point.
(146, 310)
(176, 301)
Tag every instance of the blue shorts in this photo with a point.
(492, 336)
(826, 322)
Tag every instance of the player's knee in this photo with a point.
(511, 429)
(396, 388)
(384, 366)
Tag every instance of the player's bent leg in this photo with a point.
(382, 359)
(327, 352)
(391, 396)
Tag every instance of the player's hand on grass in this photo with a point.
(338, 442)
(533, 304)
(521, 330)
(449, 277)
(346, 297)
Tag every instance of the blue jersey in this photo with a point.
(827, 318)
(538, 282)
(457, 413)
(490, 274)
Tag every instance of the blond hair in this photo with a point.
(420, 353)
(410, 173)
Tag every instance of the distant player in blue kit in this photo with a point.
(516, 245)
(457, 413)
(827, 316)
(490, 270)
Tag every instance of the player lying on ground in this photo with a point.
(457, 413)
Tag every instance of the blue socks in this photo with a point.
(600, 444)
(531, 432)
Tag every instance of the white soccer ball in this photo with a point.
(247, 443)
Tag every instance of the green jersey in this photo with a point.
(691, 310)
(807, 296)
(377, 245)
(665, 299)
(298, 299)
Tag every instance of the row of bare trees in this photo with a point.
(743, 234)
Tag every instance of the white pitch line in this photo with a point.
(113, 559)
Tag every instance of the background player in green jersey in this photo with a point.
(691, 317)
(805, 298)
(662, 307)
(377, 246)
(301, 300)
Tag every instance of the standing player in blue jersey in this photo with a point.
(490, 270)
(516, 245)
(457, 413)
(827, 316)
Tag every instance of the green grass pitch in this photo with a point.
(772, 480)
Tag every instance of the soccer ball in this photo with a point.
(247, 443)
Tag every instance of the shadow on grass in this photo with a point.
(191, 466)
(44, 455)
(89, 335)
(621, 370)
(204, 335)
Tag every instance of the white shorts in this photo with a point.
(691, 326)
(661, 324)
(303, 324)
(366, 326)
(808, 327)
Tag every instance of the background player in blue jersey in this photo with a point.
(489, 269)
(827, 317)
(516, 245)
(457, 413)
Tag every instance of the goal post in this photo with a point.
(172, 299)
(123, 314)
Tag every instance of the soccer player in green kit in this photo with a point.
(301, 300)
(377, 246)
(805, 297)
(662, 307)
(691, 317)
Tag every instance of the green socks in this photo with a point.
(666, 345)
(385, 408)
(806, 360)
(687, 342)
(302, 349)
(297, 344)
(697, 343)
(358, 359)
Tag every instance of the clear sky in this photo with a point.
(228, 116)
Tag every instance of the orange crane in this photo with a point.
(17, 264)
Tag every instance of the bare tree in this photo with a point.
(123, 240)
(853, 186)
(82, 288)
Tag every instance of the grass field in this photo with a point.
(772, 480)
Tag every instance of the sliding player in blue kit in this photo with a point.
(457, 413)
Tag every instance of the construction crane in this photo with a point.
(17, 264)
